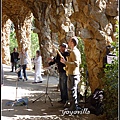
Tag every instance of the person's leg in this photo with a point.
(64, 87)
(40, 76)
(69, 87)
(12, 66)
(15, 66)
(35, 77)
(24, 72)
(20, 74)
(72, 88)
(60, 84)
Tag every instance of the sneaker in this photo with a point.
(34, 82)
(39, 82)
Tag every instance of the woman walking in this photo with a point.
(38, 65)
(23, 64)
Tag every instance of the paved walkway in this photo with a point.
(38, 110)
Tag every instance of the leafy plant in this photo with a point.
(83, 65)
(111, 90)
(83, 69)
(13, 41)
(34, 44)
(110, 82)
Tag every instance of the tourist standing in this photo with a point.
(73, 63)
(14, 59)
(23, 64)
(38, 68)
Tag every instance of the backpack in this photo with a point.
(95, 102)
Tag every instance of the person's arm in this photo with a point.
(18, 56)
(11, 58)
(76, 60)
(52, 62)
(57, 59)
(25, 55)
(38, 60)
(35, 60)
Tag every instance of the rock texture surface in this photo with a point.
(5, 40)
(23, 34)
(21, 18)
(97, 31)
(92, 20)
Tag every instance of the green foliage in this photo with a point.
(83, 66)
(34, 44)
(111, 90)
(13, 41)
(110, 82)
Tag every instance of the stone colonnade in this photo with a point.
(92, 20)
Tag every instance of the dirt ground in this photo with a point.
(38, 110)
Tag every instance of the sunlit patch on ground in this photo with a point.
(39, 110)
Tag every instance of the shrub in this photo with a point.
(110, 82)
(111, 90)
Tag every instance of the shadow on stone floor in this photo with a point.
(38, 110)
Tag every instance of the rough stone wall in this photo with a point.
(59, 19)
(43, 30)
(94, 24)
(96, 20)
(23, 34)
(5, 41)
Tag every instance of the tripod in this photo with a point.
(46, 93)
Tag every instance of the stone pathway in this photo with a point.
(38, 110)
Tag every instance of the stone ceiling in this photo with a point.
(18, 9)
(14, 9)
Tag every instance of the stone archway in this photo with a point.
(96, 26)
(21, 18)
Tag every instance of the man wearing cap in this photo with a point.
(62, 72)
(74, 60)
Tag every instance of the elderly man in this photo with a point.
(74, 60)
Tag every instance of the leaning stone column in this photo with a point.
(23, 34)
(44, 32)
(5, 42)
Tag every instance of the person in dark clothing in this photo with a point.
(62, 72)
(14, 59)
